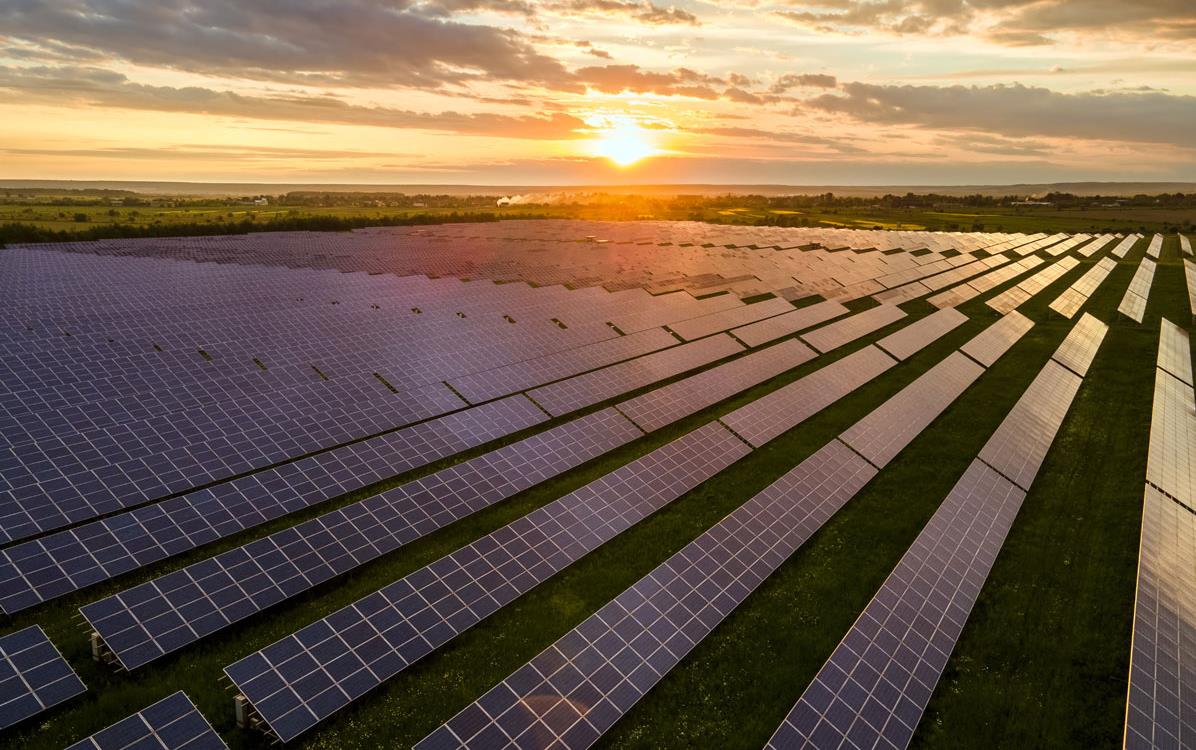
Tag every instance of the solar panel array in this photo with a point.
(1162, 676)
(836, 334)
(788, 323)
(1155, 247)
(1185, 245)
(873, 689)
(576, 689)
(1190, 279)
(911, 339)
(694, 328)
(1133, 304)
(1014, 297)
(33, 676)
(173, 723)
(1124, 246)
(957, 295)
(300, 680)
(988, 346)
(147, 621)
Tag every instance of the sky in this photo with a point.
(592, 92)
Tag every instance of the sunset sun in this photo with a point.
(625, 145)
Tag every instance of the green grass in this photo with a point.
(1049, 636)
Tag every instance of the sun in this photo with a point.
(624, 144)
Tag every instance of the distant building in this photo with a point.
(262, 201)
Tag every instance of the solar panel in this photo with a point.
(593, 387)
(1155, 247)
(1068, 303)
(1185, 245)
(1124, 246)
(304, 678)
(723, 320)
(1190, 278)
(1133, 307)
(874, 687)
(1081, 344)
(881, 435)
(33, 676)
(1020, 444)
(785, 408)
(785, 324)
(1133, 304)
(667, 404)
(173, 723)
(576, 689)
(1175, 351)
(1009, 300)
(836, 334)
(1171, 456)
(911, 339)
(1162, 679)
(147, 621)
(54, 565)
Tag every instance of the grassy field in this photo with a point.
(1042, 664)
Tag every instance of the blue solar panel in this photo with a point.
(33, 676)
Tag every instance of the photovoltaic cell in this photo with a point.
(1081, 344)
(576, 689)
(1162, 680)
(54, 565)
(33, 676)
(988, 345)
(771, 415)
(1020, 444)
(1190, 278)
(911, 339)
(788, 323)
(593, 387)
(881, 435)
(154, 618)
(667, 404)
(304, 678)
(173, 723)
(836, 334)
(874, 687)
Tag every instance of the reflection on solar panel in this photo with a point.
(1026, 289)
(173, 723)
(988, 345)
(911, 339)
(576, 689)
(67, 561)
(1185, 245)
(1175, 351)
(1133, 304)
(1155, 247)
(1124, 246)
(785, 408)
(1020, 444)
(873, 689)
(1171, 457)
(33, 676)
(1190, 278)
(1081, 344)
(1070, 302)
(1162, 678)
(1098, 244)
(881, 435)
(306, 677)
(578, 392)
(836, 334)
(146, 621)
(667, 404)
(721, 321)
(774, 328)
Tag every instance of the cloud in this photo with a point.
(1007, 22)
(99, 87)
(350, 43)
(804, 80)
(643, 11)
(1017, 110)
(617, 79)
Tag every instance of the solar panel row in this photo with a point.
(1162, 676)
(785, 324)
(1124, 246)
(911, 339)
(1133, 304)
(302, 679)
(1014, 297)
(841, 332)
(705, 325)
(1070, 302)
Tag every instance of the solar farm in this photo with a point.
(567, 484)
